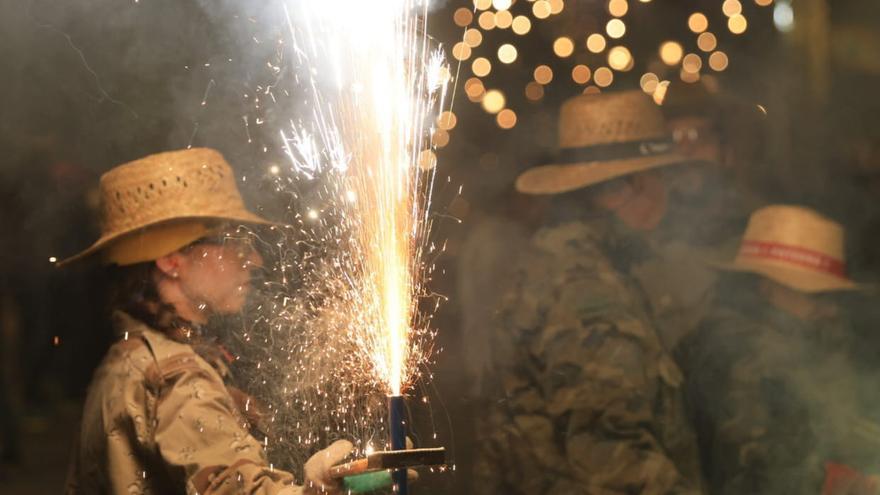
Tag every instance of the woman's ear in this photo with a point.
(169, 265)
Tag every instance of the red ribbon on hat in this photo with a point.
(795, 255)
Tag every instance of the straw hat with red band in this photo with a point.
(158, 204)
(603, 137)
(796, 247)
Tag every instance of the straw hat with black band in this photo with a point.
(603, 137)
(796, 247)
(158, 204)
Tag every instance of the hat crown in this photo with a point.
(195, 182)
(796, 227)
(605, 118)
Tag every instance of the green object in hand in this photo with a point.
(367, 482)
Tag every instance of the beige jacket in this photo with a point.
(158, 419)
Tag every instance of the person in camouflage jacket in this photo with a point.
(589, 399)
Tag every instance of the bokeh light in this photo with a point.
(463, 17)
(543, 74)
(507, 53)
(671, 52)
(698, 22)
(440, 138)
(521, 25)
(615, 28)
(473, 37)
(737, 24)
(506, 119)
(534, 91)
(580, 74)
(692, 63)
(718, 61)
(427, 160)
(481, 67)
(763, 3)
(541, 9)
(731, 8)
(563, 46)
(618, 8)
(648, 82)
(461, 51)
(619, 58)
(707, 42)
(501, 4)
(474, 89)
(783, 16)
(689, 77)
(493, 101)
(596, 43)
(447, 120)
(556, 6)
(603, 77)
(486, 21)
(660, 93)
(482, 4)
(503, 19)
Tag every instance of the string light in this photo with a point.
(580, 74)
(671, 52)
(563, 47)
(507, 53)
(615, 28)
(698, 22)
(596, 43)
(493, 101)
(707, 42)
(521, 25)
(543, 74)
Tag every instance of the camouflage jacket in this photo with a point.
(590, 399)
(158, 419)
(774, 399)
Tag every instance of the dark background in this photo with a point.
(88, 84)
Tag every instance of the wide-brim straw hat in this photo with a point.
(158, 204)
(796, 247)
(602, 137)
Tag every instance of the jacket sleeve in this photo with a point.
(602, 379)
(201, 436)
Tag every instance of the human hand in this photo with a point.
(317, 469)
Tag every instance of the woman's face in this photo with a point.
(216, 274)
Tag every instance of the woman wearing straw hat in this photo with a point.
(591, 398)
(158, 417)
(770, 380)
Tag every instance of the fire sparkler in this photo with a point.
(373, 84)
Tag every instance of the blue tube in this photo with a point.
(397, 430)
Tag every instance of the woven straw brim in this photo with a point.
(557, 179)
(242, 217)
(795, 278)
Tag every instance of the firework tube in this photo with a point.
(397, 431)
